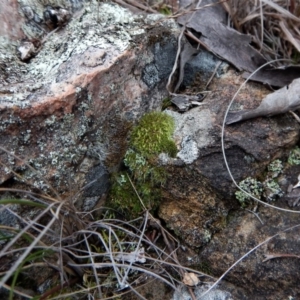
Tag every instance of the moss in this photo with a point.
(165, 10)
(153, 135)
(144, 170)
(125, 200)
(149, 138)
(166, 103)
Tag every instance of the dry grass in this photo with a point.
(77, 255)
(274, 25)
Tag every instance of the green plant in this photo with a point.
(152, 136)
(165, 10)
(166, 103)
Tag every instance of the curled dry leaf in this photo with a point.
(190, 279)
(210, 29)
(283, 100)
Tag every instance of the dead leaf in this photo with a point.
(283, 100)
(190, 279)
(210, 29)
(223, 41)
(275, 77)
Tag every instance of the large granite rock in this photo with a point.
(69, 107)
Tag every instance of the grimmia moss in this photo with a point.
(152, 136)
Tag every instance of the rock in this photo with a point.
(198, 201)
(247, 155)
(215, 294)
(98, 186)
(67, 112)
(275, 278)
(198, 197)
(69, 108)
(191, 208)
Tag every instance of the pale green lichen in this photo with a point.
(207, 236)
(294, 156)
(251, 186)
(275, 168)
(272, 190)
(268, 190)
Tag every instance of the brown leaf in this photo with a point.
(229, 44)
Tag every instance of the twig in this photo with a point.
(256, 215)
(279, 255)
(213, 74)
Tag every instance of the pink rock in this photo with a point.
(71, 105)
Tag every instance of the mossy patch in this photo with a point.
(152, 136)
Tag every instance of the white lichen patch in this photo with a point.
(189, 150)
(104, 26)
(193, 130)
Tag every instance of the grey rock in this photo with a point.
(214, 294)
(97, 182)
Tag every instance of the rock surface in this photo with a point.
(67, 112)
(198, 202)
(69, 108)
(198, 198)
(272, 279)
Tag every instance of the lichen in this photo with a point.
(275, 168)
(294, 156)
(251, 186)
(267, 190)
(272, 190)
